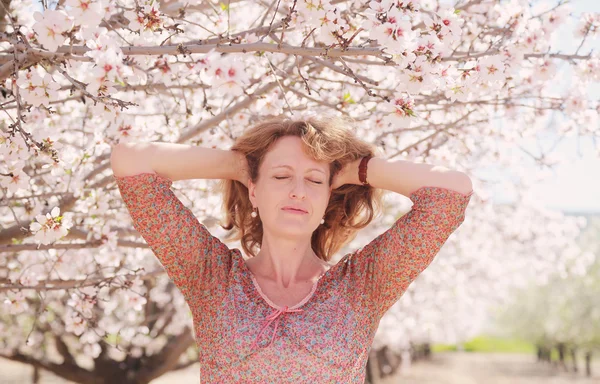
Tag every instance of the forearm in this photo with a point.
(405, 177)
(174, 161)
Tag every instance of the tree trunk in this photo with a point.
(561, 355)
(383, 364)
(369, 371)
(396, 361)
(574, 358)
(551, 359)
(418, 352)
(35, 378)
(548, 354)
(588, 363)
(427, 350)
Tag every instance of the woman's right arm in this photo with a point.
(195, 260)
(177, 161)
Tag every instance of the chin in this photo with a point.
(285, 229)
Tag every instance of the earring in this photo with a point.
(254, 214)
(322, 221)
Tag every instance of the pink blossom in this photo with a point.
(50, 27)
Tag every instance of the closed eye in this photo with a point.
(281, 177)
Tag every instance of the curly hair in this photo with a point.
(329, 139)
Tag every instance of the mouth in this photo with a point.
(294, 210)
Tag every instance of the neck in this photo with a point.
(287, 262)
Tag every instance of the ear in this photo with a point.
(251, 192)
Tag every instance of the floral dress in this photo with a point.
(243, 337)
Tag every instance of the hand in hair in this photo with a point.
(241, 168)
(347, 175)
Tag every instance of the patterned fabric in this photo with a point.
(243, 337)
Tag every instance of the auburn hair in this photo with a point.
(328, 138)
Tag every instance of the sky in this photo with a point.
(574, 186)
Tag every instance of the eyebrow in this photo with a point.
(309, 169)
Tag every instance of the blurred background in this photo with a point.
(544, 328)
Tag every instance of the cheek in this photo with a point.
(321, 199)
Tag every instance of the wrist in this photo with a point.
(239, 168)
(352, 174)
(363, 170)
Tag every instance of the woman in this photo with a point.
(296, 191)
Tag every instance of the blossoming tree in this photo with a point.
(425, 81)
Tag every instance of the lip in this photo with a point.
(294, 210)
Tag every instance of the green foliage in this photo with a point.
(486, 343)
(443, 348)
(564, 309)
(348, 98)
(494, 344)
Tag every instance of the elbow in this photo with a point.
(458, 181)
(127, 159)
(465, 186)
(118, 158)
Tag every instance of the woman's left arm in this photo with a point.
(382, 270)
(406, 177)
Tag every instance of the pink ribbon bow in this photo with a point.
(272, 317)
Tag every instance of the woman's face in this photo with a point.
(288, 177)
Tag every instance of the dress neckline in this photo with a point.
(265, 298)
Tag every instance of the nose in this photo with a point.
(298, 188)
